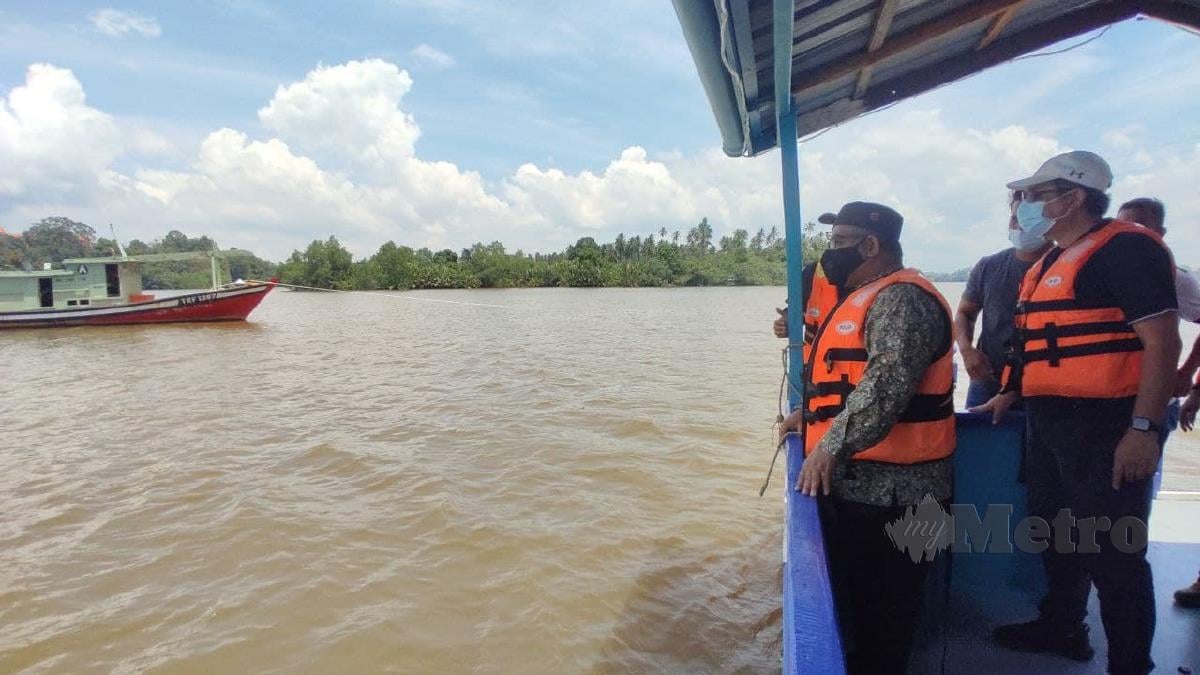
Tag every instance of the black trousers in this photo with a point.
(1069, 466)
(878, 589)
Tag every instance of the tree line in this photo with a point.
(656, 259)
(691, 258)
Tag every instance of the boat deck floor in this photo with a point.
(964, 646)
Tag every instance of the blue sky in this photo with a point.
(443, 122)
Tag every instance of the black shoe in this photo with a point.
(1042, 637)
(1189, 597)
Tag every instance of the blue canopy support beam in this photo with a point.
(793, 229)
(811, 640)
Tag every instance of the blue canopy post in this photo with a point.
(811, 640)
(785, 125)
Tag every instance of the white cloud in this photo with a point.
(351, 111)
(52, 142)
(432, 55)
(341, 158)
(116, 23)
(633, 192)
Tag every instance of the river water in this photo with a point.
(353, 483)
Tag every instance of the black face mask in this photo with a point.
(839, 263)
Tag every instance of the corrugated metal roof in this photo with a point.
(146, 257)
(850, 57)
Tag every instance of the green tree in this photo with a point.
(324, 264)
(585, 264)
(815, 242)
(13, 252)
(619, 246)
(57, 238)
(699, 238)
(760, 238)
(772, 237)
(246, 265)
(395, 266)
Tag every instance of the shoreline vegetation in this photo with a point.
(660, 259)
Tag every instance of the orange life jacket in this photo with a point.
(1068, 348)
(925, 430)
(822, 298)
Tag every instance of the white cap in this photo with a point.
(1079, 167)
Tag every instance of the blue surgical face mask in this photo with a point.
(1025, 241)
(1031, 217)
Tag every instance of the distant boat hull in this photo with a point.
(225, 304)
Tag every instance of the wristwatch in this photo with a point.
(1143, 424)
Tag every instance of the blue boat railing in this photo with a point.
(987, 474)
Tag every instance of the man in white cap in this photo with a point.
(1094, 360)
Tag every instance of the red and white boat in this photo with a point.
(108, 291)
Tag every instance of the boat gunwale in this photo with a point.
(51, 314)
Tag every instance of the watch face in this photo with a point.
(1141, 424)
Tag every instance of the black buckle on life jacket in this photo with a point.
(1052, 353)
(822, 413)
(841, 388)
(843, 354)
(928, 408)
(1090, 349)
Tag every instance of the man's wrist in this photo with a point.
(823, 447)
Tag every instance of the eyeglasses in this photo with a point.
(1039, 195)
(845, 240)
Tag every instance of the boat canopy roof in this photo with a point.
(149, 257)
(22, 274)
(850, 57)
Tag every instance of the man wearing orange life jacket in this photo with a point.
(1098, 344)
(819, 297)
(879, 429)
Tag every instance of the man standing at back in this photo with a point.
(1095, 364)
(879, 421)
(1151, 213)
(992, 288)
